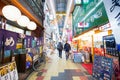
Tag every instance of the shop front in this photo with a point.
(96, 37)
(21, 41)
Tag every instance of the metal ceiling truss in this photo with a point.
(37, 7)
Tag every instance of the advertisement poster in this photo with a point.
(113, 11)
(4, 73)
(13, 71)
(29, 60)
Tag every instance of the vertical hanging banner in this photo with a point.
(10, 40)
(38, 41)
(113, 11)
(13, 71)
(28, 41)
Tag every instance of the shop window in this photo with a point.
(14, 29)
(28, 33)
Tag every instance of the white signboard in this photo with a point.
(113, 11)
(13, 71)
(9, 72)
(4, 73)
(77, 1)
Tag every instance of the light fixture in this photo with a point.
(11, 12)
(23, 21)
(31, 25)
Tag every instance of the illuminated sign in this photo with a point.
(77, 1)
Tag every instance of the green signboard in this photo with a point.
(97, 18)
(92, 14)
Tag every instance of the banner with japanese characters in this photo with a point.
(113, 11)
(28, 41)
(10, 40)
(9, 72)
(13, 71)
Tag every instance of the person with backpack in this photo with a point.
(60, 48)
(67, 48)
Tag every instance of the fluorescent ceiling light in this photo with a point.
(68, 12)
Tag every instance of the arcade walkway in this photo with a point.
(60, 69)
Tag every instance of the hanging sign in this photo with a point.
(28, 41)
(113, 11)
(10, 40)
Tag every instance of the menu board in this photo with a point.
(9, 72)
(4, 73)
(13, 71)
(97, 67)
(102, 68)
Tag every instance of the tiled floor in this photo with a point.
(60, 69)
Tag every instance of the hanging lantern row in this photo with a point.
(14, 14)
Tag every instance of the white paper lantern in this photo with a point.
(31, 25)
(11, 12)
(23, 21)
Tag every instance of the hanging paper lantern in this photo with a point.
(23, 21)
(31, 25)
(11, 12)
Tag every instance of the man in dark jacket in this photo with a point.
(60, 48)
(67, 48)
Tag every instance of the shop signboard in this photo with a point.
(91, 14)
(28, 41)
(75, 19)
(86, 9)
(13, 71)
(4, 73)
(97, 18)
(113, 11)
(10, 40)
(9, 72)
(102, 68)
